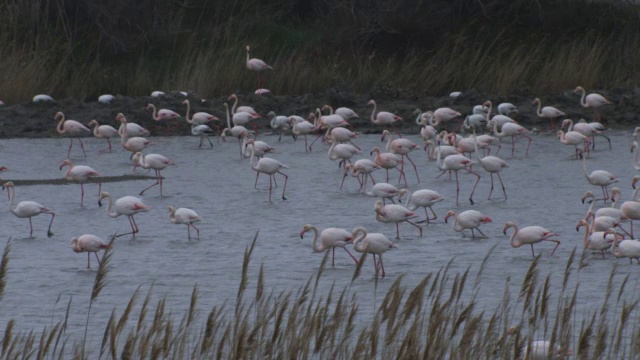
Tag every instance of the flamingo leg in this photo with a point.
(81, 195)
(474, 186)
(397, 230)
(314, 141)
(82, 147)
(160, 180)
(502, 184)
(532, 253)
(415, 168)
(414, 224)
(53, 215)
(108, 149)
(348, 252)
(30, 228)
(381, 265)
(555, 241)
(480, 231)
(513, 144)
(152, 185)
(402, 175)
(270, 185)
(344, 176)
(286, 178)
(387, 175)
(528, 144)
(70, 146)
(255, 186)
(604, 136)
(491, 191)
(333, 256)
(305, 143)
(457, 188)
(88, 260)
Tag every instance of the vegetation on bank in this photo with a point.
(71, 48)
(438, 318)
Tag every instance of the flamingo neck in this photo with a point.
(228, 117)
(95, 129)
(495, 130)
(636, 192)
(419, 120)
(235, 98)
(172, 215)
(539, 111)
(389, 141)
(186, 117)
(330, 109)
(109, 212)
(124, 135)
(583, 100)
(570, 122)
(142, 161)
(253, 153)
(616, 199)
(11, 192)
(358, 238)
(314, 243)
(154, 115)
(332, 155)
(475, 146)
(636, 150)
(513, 240)
(60, 127)
(489, 111)
(439, 160)
(373, 112)
(586, 235)
(584, 166)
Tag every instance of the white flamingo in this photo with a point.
(530, 235)
(363, 167)
(372, 243)
(90, 244)
(163, 114)
(187, 217)
(593, 100)
(600, 178)
(383, 117)
(126, 205)
(402, 147)
(548, 112)
(200, 118)
(81, 173)
(384, 191)
(257, 66)
(387, 161)
(507, 109)
(424, 198)
(103, 132)
(133, 129)
(469, 219)
(596, 241)
(330, 238)
(27, 209)
(492, 165)
(455, 163)
(302, 128)
(629, 249)
(132, 144)
(587, 129)
(394, 213)
(202, 131)
(156, 162)
(270, 167)
(576, 139)
(73, 129)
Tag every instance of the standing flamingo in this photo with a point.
(302, 128)
(81, 173)
(497, 119)
(513, 130)
(492, 165)
(344, 152)
(422, 198)
(387, 161)
(455, 163)
(600, 178)
(574, 138)
(363, 167)
(443, 116)
(593, 100)
(163, 114)
(383, 117)
(156, 162)
(103, 132)
(133, 129)
(134, 144)
(202, 131)
(393, 213)
(187, 217)
(548, 112)
(507, 109)
(330, 238)
(90, 244)
(27, 209)
(201, 118)
(470, 219)
(598, 241)
(344, 112)
(126, 205)
(73, 129)
(257, 66)
(236, 130)
(631, 209)
(627, 248)
(279, 122)
(240, 109)
(530, 235)
(270, 167)
(372, 243)
(401, 147)
(384, 191)
(592, 129)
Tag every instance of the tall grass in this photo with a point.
(81, 49)
(439, 317)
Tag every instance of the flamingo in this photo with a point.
(387, 161)
(592, 130)
(363, 167)
(541, 350)
(236, 130)
(258, 66)
(593, 100)
(499, 118)
(627, 248)
(27, 209)
(401, 147)
(81, 173)
(200, 118)
(302, 128)
(422, 198)
(42, 98)
(393, 213)
(597, 241)
(442, 115)
(600, 178)
(73, 129)
(474, 122)
(631, 209)
(548, 112)
(202, 131)
(133, 129)
(513, 130)
(507, 109)
(103, 132)
(492, 165)
(279, 122)
(635, 149)
(529, 235)
(344, 112)
(574, 138)
(330, 238)
(126, 205)
(372, 243)
(469, 219)
(185, 216)
(239, 109)
(341, 135)
(384, 191)
(90, 244)
(162, 114)
(344, 152)
(270, 167)
(383, 117)
(612, 211)
(134, 144)
(456, 163)
(156, 162)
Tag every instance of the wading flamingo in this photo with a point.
(156, 162)
(302, 128)
(383, 118)
(629, 249)
(443, 116)
(387, 161)
(163, 114)
(393, 213)
(593, 100)
(344, 152)
(187, 217)
(635, 149)
(372, 243)
(202, 131)
(384, 191)
(499, 118)
(279, 122)
(401, 147)
(257, 66)
(270, 167)
(576, 139)
(236, 130)
(529, 235)
(492, 165)
(81, 173)
(592, 129)
(90, 244)
(548, 112)
(631, 209)
(201, 118)
(27, 209)
(596, 241)
(73, 129)
(133, 129)
(239, 109)
(330, 238)
(513, 130)
(455, 163)
(344, 112)
(600, 178)
(132, 144)
(126, 205)
(363, 167)
(103, 132)
(470, 219)
(422, 198)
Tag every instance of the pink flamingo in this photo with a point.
(126, 205)
(587, 129)
(401, 147)
(470, 219)
(27, 209)
(257, 66)
(631, 209)
(383, 117)
(500, 119)
(455, 163)
(90, 244)
(260, 146)
(344, 112)
(600, 178)
(393, 213)
(372, 243)
(574, 138)
(598, 241)
(201, 118)
(163, 114)
(133, 129)
(424, 198)
(134, 144)
(530, 235)
(442, 115)
(270, 167)
(73, 129)
(492, 165)
(363, 167)
(330, 238)
(384, 191)
(81, 173)
(103, 132)
(187, 217)
(302, 128)
(629, 249)
(593, 100)
(387, 161)
(513, 130)
(240, 109)
(156, 162)
(344, 152)
(548, 112)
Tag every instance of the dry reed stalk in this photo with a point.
(4, 262)
(6, 338)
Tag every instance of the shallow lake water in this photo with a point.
(44, 273)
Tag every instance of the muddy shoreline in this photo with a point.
(36, 120)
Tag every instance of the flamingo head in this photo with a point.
(185, 102)
(234, 96)
(487, 103)
(65, 163)
(450, 213)
(384, 134)
(58, 115)
(581, 223)
(536, 101)
(578, 89)
(634, 181)
(121, 118)
(306, 228)
(587, 195)
(7, 185)
(374, 150)
(371, 102)
(103, 195)
(486, 219)
(248, 49)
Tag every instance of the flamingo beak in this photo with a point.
(487, 219)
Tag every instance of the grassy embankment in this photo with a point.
(83, 49)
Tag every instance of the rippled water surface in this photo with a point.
(44, 273)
